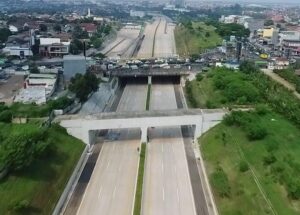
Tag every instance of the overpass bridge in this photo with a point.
(147, 72)
(84, 127)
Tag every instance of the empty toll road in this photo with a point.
(123, 45)
(111, 189)
(165, 40)
(167, 187)
(146, 49)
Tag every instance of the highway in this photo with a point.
(164, 45)
(111, 188)
(165, 40)
(123, 45)
(147, 44)
(167, 188)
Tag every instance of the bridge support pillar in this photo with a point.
(198, 132)
(144, 135)
(149, 79)
(86, 137)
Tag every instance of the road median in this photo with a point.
(140, 181)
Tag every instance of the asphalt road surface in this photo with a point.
(167, 188)
(147, 44)
(165, 40)
(123, 45)
(111, 189)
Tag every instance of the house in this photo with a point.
(290, 43)
(19, 45)
(53, 47)
(89, 27)
(280, 63)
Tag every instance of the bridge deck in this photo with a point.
(140, 114)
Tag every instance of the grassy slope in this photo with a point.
(204, 91)
(245, 196)
(43, 182)
(188, 42)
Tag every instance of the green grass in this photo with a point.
(195, 41)
(148, 97)
(245, 197)
(42, 183)
(140, 179)
(204, 94)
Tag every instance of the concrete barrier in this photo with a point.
(65, 196)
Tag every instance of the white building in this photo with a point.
(13, 29)
(242, 20)
(53, 47)
(18, 51)
(47, 81)
(135, 13)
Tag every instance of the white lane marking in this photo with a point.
(99, 194)
(107, 164)
(162, 148)
(113, 196)
(178, 199)
(163, 194)
(162, 167)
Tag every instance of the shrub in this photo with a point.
(243, 166)
(6, 116)
(269, 159)
(256, 131)
(220, 182)
(199, 77)
(262, 109)
(21, 205)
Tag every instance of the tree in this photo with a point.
(4, 34)
(97, 43)
(76, 47)
(43, 27)
(21, 148)
(248, 67)
(83, 85)
(78, 33)
(268, 22)
(57, 28)
(33, 68)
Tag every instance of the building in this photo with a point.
(242, 20)
(135, 13)
(37, 88)
(19, 45)
(13, 29)
(89, 27)
(74, 64)
(47, 81)
(280, 63)
(53, 47)
(270, 35)
(290, 43)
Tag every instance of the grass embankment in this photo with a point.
(230, 148)
(41, 183)
(290, 76)
(202, 94)
(195, 38)
(148, 97)
(221, 88)
(253, 163)
(140, 180)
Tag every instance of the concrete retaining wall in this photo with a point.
(65, 196)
